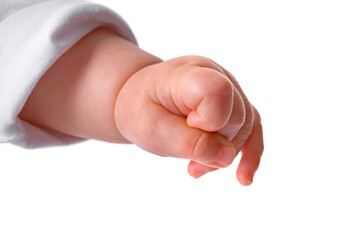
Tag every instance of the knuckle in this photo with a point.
(247, 128)
(212, 83)
(239, 119)
(196, 60)
(224, 87)
(257, 114)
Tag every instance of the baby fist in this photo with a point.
(190, 107)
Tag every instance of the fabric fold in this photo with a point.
(31, 39)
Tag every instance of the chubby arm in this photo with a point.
(190, 107)
(77, 95)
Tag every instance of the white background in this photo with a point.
(299, 64)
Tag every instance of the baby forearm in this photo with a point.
(77, 95)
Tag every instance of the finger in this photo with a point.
(245, 130)
(249, 138)
(237, 118)
(194, 87)
(246, 117)
(197, 170)
(234, 126)
(208, 94)
(251, 153)
(230, 131)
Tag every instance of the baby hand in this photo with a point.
(190, 107)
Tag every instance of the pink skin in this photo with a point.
(188, 107)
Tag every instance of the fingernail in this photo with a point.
(227, 156)
(251, 179)
(197, 174)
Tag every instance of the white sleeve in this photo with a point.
(33, 35)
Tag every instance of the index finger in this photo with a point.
(251, 153)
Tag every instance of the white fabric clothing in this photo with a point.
(33, 35)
